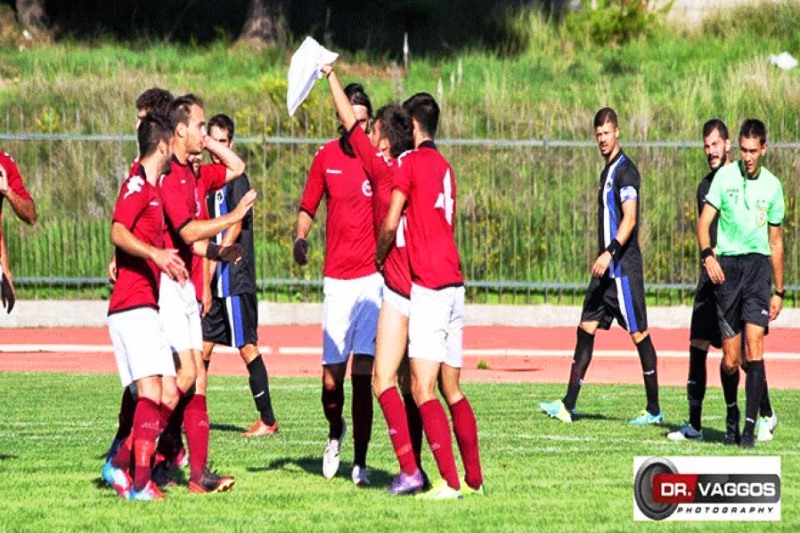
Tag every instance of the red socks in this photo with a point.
(146, 427)
(466, 430)
(195, 422)
(437, 431)
(394, 413)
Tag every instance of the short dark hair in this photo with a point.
(606, 114)
(223, 122)
(153, 129)
(715, 124)
(753, 128)
(396, 128)
(156, 100)
(355, 93)
(181, 108)
(423, 108)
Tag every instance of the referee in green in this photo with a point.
(748, 255)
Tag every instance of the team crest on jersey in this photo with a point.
(761, 213)
(134, 185)
(220, 196)
(366, 188)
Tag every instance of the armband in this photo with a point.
(614, 247)
(212, 251)
(780, 294)
(706, 253)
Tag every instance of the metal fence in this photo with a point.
(525, 215)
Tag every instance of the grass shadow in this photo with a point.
(228, 428)
(4, 457)
(313, 465)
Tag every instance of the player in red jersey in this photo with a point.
(352, 286)
(142, 353)
(425, 186)
(154, 100)
(179, 310)
(12, 189)
(389, 136)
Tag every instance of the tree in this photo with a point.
(266, 22)
(33, 15)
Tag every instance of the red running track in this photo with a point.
(535, 355)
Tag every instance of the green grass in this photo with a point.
(541, 475)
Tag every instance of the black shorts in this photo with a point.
(705, 321)
(232, 321)
(744, 295)
(621, 298)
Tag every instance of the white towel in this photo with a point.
(305, 68)
(783, 61)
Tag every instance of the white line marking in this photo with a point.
(93, 348)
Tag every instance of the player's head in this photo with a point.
(716, 143)
(187, 117)
(752, 145)
(221, 129)
(362, 107)
(154, 99)
(424, 113)
(155, 140)
(392, 132)
(606, 131)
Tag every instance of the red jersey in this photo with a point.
(209, 180)
(14, 180)
(350, 240)
(380, 171)
(427, 180)
(180, 191)
(139, 209)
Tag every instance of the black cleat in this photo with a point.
(748, 441)
(732, 435)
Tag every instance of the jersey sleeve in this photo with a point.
(132, 201)
(213, 176)
(777, 208)
(628, 184)
(236, 191)
(175, 209)
(315, 185)
(15, 182)
(402, 174)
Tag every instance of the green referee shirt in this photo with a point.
(746, 208)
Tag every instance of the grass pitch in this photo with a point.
(541, 475)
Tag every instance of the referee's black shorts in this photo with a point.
(705, 321)
(620, 298)
(744, 295)
(232, 321)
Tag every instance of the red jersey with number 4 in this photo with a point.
(14, 180)
(427, 180)
(349, 240)
(380, 171)
(182, 204)
(139, 209)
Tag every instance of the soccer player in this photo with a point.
(142, 353)
(178, 303)
(391, 134)
(748, 257)
(12, 189)
(154, 100)
(425, 186)
(233, 316)
(705, 327)
(616, 290)
(352, 286)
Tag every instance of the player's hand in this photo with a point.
(3, 180)
(169, 262)
(9, 295)
(775, 307)
(231, 253)
(111, 270)
(714, 271)
(300, 252)
(601, 264)
(246, 203)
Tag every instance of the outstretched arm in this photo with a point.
(389, 227)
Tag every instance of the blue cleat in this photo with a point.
(118, 478)
(150, 492)
(647, 419)
(556, 409)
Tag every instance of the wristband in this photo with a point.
(780, 294)
(212, 251)
(706, 253)
(328, 75)
(614, 247)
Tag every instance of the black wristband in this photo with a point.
(780, 294)
(212, 251)
(706, 253)
(614, 247)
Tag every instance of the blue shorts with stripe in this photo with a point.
(620, 298)
(232, 321)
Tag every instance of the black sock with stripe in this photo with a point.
(696, 385)
(647, 356)
(580, 364)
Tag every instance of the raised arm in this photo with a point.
(233, 163)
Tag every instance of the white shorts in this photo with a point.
(140, 347)
(180, 315)
(396, 300)
(350, 317)
(436, 325)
